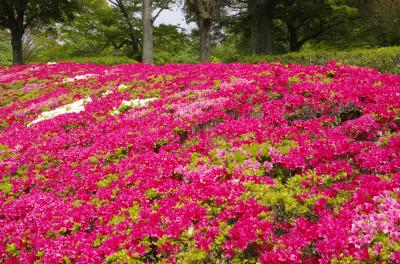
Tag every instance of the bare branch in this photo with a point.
(158, 13)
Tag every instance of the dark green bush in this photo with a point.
(383, 59)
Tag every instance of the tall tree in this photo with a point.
(20, 15)
(385, 20)
(134, 25)
(148, 6)
(129, 10)
(204, 13)
(103, 27)
(147, 19)
(309, 19)
(261, 14)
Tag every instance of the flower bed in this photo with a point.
(204, 163)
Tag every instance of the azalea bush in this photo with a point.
(386, 59)
(207, 163)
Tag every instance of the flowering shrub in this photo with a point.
(207, 163)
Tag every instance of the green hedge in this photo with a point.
(383, 59)
(5, 54)
(104, 60)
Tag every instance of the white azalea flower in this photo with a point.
(74, 107)
(133, 103)
(78, 77)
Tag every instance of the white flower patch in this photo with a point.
(132, 104)
(78, 77)
(74, 107)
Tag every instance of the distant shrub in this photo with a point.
(384, 59)
(162, 57)
(5, 54)
(103, 60)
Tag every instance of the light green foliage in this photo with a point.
(3, 125)
(224, 229)
(281, 198)
(188, 143)
(253, 153)
(118, 155)
(285, 146)
(12, 249)
(94, 159)
(212, 208)
(345, 260)
(249, 157)
(117, 219)
(191, 255)
(77, 203)
(134, 212)
(196, 159)
(122, 256)
(4, 152)
(388, 247)
(112, 177)
(66, 260)
(5, 185)
(124, 108)
(160, 143)
(48, 162)
(99, 241)
(152, 194)
(189, 252)
(145, 93)
(5, 49)
(292, 80)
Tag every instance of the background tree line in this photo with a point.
(44, 30)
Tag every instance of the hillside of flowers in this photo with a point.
(207, 163)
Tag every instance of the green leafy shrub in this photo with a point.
(5, 53)
(384, 59)
(104, 60)
(162, 57)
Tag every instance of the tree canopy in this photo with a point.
(20, 15)
(237, 27)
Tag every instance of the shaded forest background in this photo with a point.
(111, 31)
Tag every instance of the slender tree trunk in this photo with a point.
(134, 43)
(294, 44)
(261, 15)
(205, 41)
(147, 32)
(16, 44)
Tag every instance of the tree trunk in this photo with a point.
(205, 42)
(147, 32)
(294, 44)
(134, 43)
(16, 43)
(261, 15)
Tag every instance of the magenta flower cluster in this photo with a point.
(206, 163)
